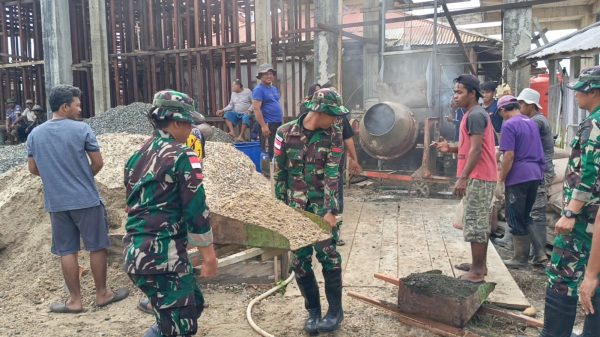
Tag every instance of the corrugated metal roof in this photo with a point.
(416, 32)
(420, 33)
(584, 40)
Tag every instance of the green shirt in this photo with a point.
(582, 174)
(307, 167)
(166, 207)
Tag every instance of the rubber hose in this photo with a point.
(271, 291)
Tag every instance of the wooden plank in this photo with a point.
(231, 259)
(413, 255)
(361, 260)
(388, 252)
(439, 329)
(436, 246)
(491, 311)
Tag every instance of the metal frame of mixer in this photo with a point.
(421, 178)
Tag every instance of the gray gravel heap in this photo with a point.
(123, 118)
(11, 156)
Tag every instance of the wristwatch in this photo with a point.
(569, 214)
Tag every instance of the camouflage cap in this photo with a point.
(588, 80)
(327, 101)
(174, 105)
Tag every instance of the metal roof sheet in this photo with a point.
(586, 39)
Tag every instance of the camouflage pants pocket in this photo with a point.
(176, 300)
(326, 253)
(567, 264)
(477, 207)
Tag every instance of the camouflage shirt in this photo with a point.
(166, 207)
(582, 175)
(307, 167)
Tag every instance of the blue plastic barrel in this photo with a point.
(252, 150)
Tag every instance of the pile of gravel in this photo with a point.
(11, 156)
(123, 118)
(220, 136)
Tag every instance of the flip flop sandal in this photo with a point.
(61, 308)
(340, 242)
(465, 266)
(119, 294)
(466, 280)
(143, 306)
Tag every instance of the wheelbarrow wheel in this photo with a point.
(421, 189)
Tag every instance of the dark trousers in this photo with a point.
(268, 143)
(519, 201)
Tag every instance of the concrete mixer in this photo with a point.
(388, 130)
(390, 133)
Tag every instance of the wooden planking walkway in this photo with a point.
(408, 236)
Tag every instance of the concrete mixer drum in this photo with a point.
(388, 130)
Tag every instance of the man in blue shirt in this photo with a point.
(488, 90)
(58, 152)
(266, 106)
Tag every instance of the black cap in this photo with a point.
(470, 82)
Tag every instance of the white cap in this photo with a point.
(530, 96)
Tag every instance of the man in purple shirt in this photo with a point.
(521, 173)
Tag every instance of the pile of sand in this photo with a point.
(30, 274)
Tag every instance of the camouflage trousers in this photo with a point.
(327, 255)
(478, 205)
(176, 300)
(538, 211)
(567, 264)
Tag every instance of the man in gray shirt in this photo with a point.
(58, 152)
(530, 107)
(238, 110)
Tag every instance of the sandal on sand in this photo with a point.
(61, 308)
(143, 304)
(119, 294)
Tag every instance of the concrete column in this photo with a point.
(56, 33)
(100, 62)
(327, 44)
(516, 34)
(262, 23)
(370, 54)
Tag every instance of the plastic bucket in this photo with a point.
(252, 150)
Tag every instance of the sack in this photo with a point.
(459, 216)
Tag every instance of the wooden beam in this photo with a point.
(231, 259)
(491, 311)
(21, 64)
(336, 30)
(458, 38)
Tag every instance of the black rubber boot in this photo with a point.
(538, 242)
(310, 290)
(559, 314)
(333, 291)
(153, 331)
(591, 326)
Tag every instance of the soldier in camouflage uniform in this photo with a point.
(307, 152)
(581, 197)
(167, 212)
